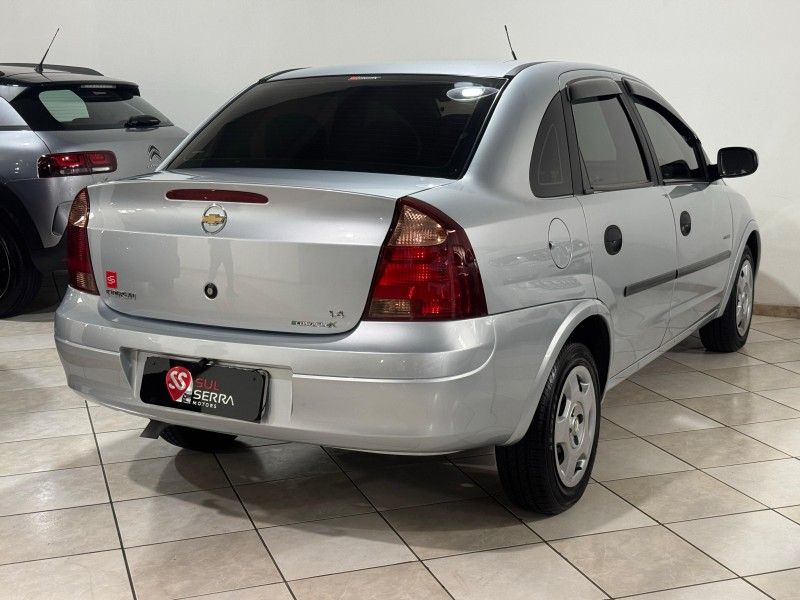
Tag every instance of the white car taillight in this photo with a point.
(426, 270)
(79, 262)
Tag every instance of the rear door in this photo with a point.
(629, 219)
(701, 210)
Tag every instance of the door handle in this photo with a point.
(613, 239)
(685, 223)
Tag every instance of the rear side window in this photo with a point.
(673, 142)
(608, 146)
(550, 172)
(82, 107)
(414, 125)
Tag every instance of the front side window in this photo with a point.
(550, 171)
(673, 143)
(404, 124)
(609, 148)
(83, 107)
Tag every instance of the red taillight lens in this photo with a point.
(79, 262)
(427, 269)
(77, 163)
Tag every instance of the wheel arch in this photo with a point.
(13, 212)
(589, 323)
(750, 238)
(754, 243)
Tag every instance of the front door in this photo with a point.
(629, 219)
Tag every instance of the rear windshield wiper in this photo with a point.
(142, 121)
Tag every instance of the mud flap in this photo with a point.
(153, 429)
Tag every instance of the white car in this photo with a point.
(411, 258)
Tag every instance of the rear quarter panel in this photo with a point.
(506, 224)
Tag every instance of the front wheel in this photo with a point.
(548, 469)
(729, 332)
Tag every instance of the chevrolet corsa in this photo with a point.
(413, 259)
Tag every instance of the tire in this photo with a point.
(19, 279)
(196, 439)
(729, 332)
(530, 469)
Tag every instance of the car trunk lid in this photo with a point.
(302, 262)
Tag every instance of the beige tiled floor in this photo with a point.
(696, 495)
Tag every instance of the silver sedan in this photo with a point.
(411, 258)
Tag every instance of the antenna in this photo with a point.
(508, 37)
(40, 67)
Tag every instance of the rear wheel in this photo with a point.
(729, 332)
(19, 279)
(196, 439)
(548, 469)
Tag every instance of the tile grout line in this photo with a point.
(731, 427)
(111, 505)
(665, 526)
(702, 470)
(544, 541)
(722, 425)
(385, 520)
(253, 524)
(247, 587)
(686, 587)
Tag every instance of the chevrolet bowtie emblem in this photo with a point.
(214, 219)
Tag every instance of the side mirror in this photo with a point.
(736, 161)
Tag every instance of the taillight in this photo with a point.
(426, 270)
(77, 163)
(79, 262)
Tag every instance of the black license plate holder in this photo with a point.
(205, 387)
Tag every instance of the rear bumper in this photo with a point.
(418, 388)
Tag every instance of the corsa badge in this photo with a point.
(214, 219)
(180, 384)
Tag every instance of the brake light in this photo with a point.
(79, 262)
(426, 270)
(205, 195)
(77, 163)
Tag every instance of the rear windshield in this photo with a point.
(413, 125)
(87, 106)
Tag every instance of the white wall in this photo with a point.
(729, 66)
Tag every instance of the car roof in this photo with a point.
(473, 68)
(25, 74)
